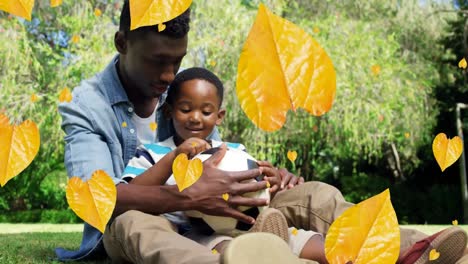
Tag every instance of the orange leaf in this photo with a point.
(186, 172)
(446, 151)
(93, 200)
(153, 12)
(97, 12)
(292, 155)
(281, 67)
(19, 147)
(34, 98)
(65, 95)
(22, 8)
(55, 3)
(368, 232)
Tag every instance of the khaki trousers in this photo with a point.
(136, 237)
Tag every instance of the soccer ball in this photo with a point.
(234, 160)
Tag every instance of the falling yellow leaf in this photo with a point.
(433, 255)
(462, 64)
(186, 172)
(97, 12)
(294, 231)
(280, 68)
(75, 39)
(19, 146)
(316, 30)
(407, 135)
(93, 200)
(212, 63)
(65, 95)
(154, 12)
(268, 185)
(55, 3)
(292, 155)
(446, 151)
(124, 124)
(455, 222)
(34, 98)
(368, 232)
(375, 70)
(21, 8)
(225, 196)
(161, 27)
(214, 251)
(153, 126)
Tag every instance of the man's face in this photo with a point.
(150, 64)
(196, 111)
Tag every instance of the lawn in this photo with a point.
(35, 243)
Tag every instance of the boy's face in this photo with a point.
(150, 63)
(196, 111)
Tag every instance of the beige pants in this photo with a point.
(136, 237)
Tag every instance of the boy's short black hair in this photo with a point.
(195, 73)
(175, 28)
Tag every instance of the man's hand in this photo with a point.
(192, 147)
(206, 193)
(289, 180)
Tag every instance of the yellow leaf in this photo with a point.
(292, 155)
(455, 222)
(34, 98)
(154, 12)
(22, 8)
(186, 172)
(316, 30)
(280, 68)
(462, 63)
(19, 146)
(161, 27)
(153, 126)
(433, 255)
(375, 70)
(225, 196)
(214, 251)
(124, 124)
(294, 231)
(446, 151)
(65, 95)
(93, 200)
(407, 135)
(75, 39)
(97, 12)
(367, 233)
(268, 185)
(55, 3)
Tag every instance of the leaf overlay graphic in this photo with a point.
(19, 146)
(21, 8)
(186, 172)
(368, 232)
(93, 200)
(446, 151)
(280, 68)
(153, 12)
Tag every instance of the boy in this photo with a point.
(194, 106)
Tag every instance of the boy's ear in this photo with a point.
(221, 114)
(120, 42)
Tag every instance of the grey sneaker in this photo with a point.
(259, 248)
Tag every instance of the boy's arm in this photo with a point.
(157, 174)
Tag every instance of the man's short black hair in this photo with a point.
(175, 28)
(194, 73)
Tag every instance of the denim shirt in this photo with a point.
(100, 135)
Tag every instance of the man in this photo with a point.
(113, 112)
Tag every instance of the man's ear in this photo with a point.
(120, 42)
(221, 114)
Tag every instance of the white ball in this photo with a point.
(234, 160)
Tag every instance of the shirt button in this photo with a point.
(132, 130)
(130, 109)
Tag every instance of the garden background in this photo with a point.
(398, 83)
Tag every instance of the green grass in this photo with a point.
(35, 243)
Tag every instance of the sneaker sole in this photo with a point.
(272, 221)
(450, 244)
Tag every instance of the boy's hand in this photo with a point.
(192, 147)
(272, 176)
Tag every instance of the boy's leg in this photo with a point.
(137, 237)
(315, 205)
